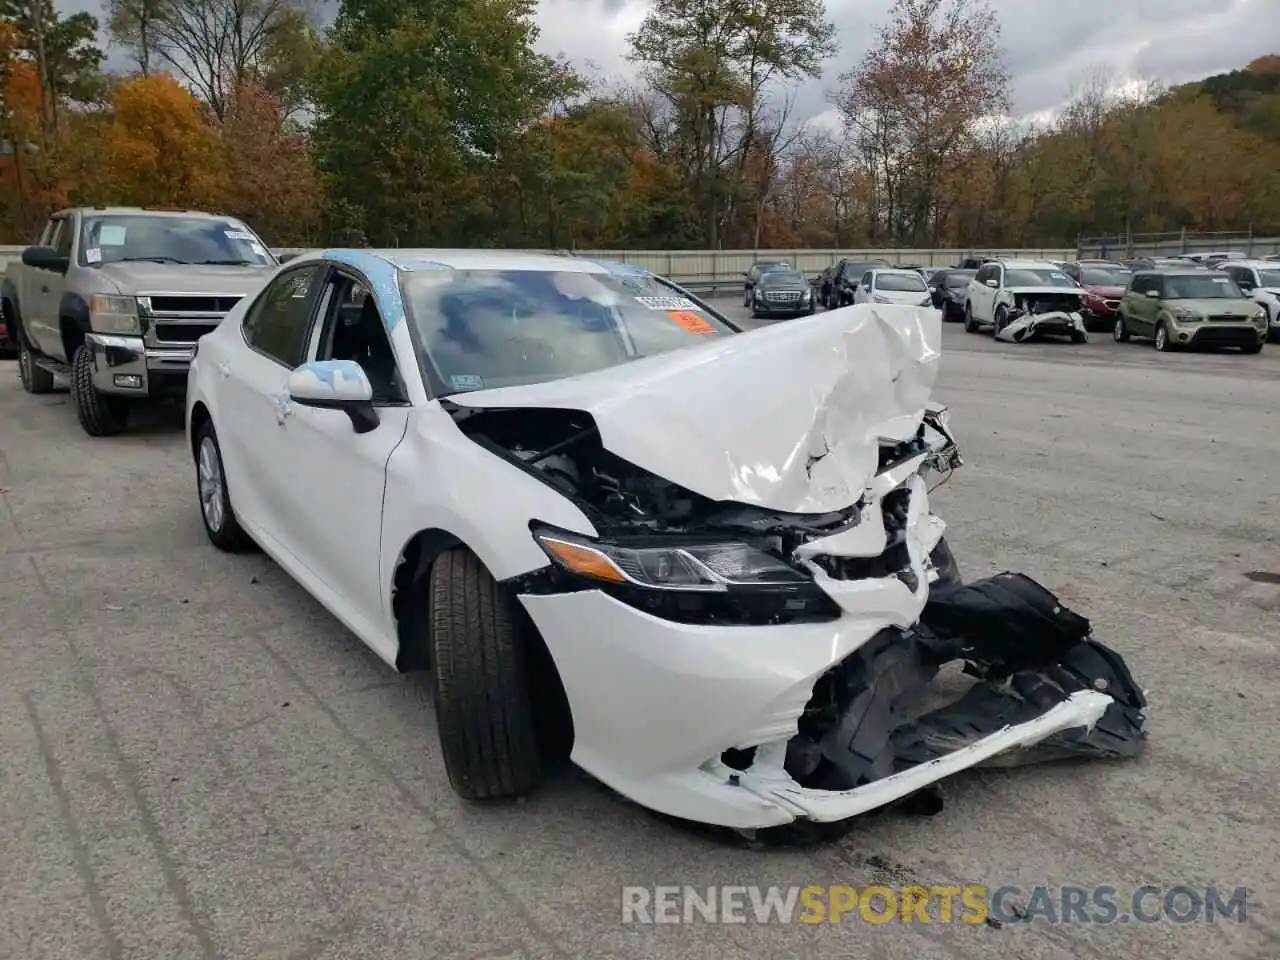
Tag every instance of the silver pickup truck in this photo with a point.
(115, 298)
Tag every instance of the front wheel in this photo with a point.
(1120, 331)
(1000, 320)
(1162, 337)
(970, 324)
(482, 682)
(100, 415)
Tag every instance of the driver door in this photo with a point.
(1143, 323)
(340, 475)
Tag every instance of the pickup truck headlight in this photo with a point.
(113, 314)
(684, 566)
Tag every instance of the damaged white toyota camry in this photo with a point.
(701, 560)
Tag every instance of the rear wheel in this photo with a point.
(100, 415)
(484, 710)
(34, 379)
(220, 522)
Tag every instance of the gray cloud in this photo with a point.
(1048, 46)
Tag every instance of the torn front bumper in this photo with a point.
(126, 366)
(759, 726)
(1023, 327)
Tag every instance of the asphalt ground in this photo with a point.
(196, 760)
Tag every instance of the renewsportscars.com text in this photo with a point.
(938, 904)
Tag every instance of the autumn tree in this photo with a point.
(711, 64)
(270, 179)
(64, 50)
(913, 103)
(158, 149)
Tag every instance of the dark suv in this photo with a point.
(837, 283)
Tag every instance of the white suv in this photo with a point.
(1002, 289)
(1260, 281)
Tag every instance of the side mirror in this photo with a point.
(1153, 294)
(992, 284)
(335, 385)
(45, 258)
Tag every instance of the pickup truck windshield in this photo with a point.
(169, 239)
(499, 328)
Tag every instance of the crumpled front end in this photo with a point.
(1024, 326)
(757, 646)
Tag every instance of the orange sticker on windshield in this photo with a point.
(690, 321)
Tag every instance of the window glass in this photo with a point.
(1207, 286)
(1037, 277)
(958, 281)
(62, 241)
(277, 324)
(168, 238)
(494, 328)
(353, 330)
(900, 283)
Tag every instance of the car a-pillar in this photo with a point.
(501, 709)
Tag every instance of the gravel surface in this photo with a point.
(198, 761)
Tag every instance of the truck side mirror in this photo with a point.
(45, 258)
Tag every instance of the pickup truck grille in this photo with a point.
(173, 319)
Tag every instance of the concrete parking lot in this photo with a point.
(198, 761)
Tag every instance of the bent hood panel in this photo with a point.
(787, 417)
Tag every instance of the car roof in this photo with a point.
(144, 212)
(1247, 263)
(412, 260)
(1030, 264)
(901, 271)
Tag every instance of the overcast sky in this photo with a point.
(1048, 45)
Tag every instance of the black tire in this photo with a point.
(1079, 336)
(1162, 338)
(99, 415)
(223, 529)
(483, 705)
(1120, 332)
(1000, 320)
(970, 324)
(34, 379)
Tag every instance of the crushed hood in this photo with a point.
(1023, 291)
(787, 417)
(139, 276)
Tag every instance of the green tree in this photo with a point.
(712, 64)
(420, 106)
(68, 61)
(135, 25)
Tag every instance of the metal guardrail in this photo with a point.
(716, 272)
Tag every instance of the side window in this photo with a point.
(62, 239)
(277, 324)
(353, 330)
(47, 234)
(866, 280)
(984, 274)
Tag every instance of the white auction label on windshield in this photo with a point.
(667, 303)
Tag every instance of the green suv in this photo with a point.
(1190, 308)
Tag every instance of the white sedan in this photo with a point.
(612, 524)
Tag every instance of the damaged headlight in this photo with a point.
(688, 566)
(686, 580)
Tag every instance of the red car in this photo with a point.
(1104, 282)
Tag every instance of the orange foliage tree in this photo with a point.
(158, 148)
(271, 181)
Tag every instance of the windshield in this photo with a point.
(789, 277)
(1105, 276)
(957, 281)
(900, 283)
(1207, 287)
(1269, 278)
(499, 328)
(1032, 277)
(169, 239)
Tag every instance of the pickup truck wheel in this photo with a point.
(219, 518)
(34, 379)
(483, 705)
(99, 415)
